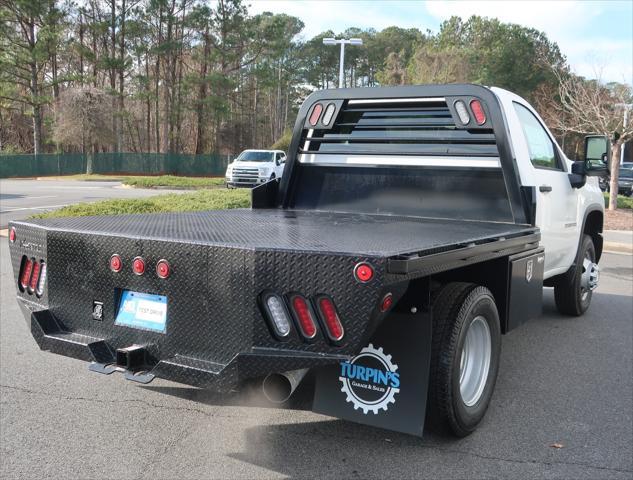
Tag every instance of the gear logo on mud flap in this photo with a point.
(370, 380)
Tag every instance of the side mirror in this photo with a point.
(578, 175)
(278, 162)
(597, 155)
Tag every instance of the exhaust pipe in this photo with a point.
(278, 387)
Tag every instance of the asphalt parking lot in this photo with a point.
(563, 381)
(23, 198)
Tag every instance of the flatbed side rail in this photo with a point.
(464, 254)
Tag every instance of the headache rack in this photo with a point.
(405, 151)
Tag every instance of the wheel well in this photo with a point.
(593, 227)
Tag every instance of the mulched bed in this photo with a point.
(621, 219)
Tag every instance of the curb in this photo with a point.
(615, 247)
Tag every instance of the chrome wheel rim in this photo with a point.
(474, 363)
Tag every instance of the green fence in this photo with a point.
(114, 163)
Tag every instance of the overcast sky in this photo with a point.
(595, 36)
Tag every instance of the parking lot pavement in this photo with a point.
(563, 380)
(22, 198)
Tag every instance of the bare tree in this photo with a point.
(589, 106)
(85, 120)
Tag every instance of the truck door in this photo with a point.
(556, 200)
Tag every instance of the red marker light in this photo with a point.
(12, 235)
(478, 111)
(363, 272)
(162, 269)
(316, 114)
(116, 264)
(138, 266)
(386, 303)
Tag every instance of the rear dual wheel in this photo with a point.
(464, 358)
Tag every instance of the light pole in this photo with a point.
(342, 42)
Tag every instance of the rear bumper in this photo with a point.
(50, 336)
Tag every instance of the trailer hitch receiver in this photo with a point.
(131, 358)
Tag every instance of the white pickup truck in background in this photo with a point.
(254, 167)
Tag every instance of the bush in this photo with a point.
(623, 202)
(218, 199)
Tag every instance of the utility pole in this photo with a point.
(342, 42)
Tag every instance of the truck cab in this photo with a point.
(255, 167)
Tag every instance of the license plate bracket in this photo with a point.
(143, 311)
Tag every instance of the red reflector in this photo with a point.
(162, 269)
(478, 111)
(35, 276)
(116, 264)
(330, 318)
(138, 266)
(12, 235)
(303, 315)
(316, 114)
(363, 272)
(27, 268)
(387, 302)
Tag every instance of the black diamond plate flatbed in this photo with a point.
(296, 230)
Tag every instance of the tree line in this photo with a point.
(190, 76)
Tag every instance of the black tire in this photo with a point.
(456, 306)
(568, 291)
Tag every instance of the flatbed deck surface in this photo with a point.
(297, 230)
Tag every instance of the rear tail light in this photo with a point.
(138, 266)
(27, 269)
(329, 318)
(12, 235)
(462, 112)
(316, 114)
(303, 315)
(35, 276)
(277, 314)
(40, 284)
(478, 111)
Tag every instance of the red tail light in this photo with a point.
(138, 266)
(478, 111)
(329, 318)
(303, 315)
(12, 235)
(35, 276)
(27, 269)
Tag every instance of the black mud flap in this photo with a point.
(386, 384)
